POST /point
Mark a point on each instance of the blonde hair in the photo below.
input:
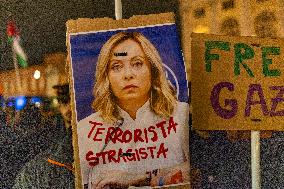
(162, 99)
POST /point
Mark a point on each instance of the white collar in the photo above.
(140, 112)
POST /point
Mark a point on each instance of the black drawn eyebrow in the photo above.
(120, 54)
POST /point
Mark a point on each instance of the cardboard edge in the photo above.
(96, 24)
(253, 40)
(76, 164)
(87, 25)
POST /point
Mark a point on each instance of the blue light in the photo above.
(20, 102)
(35, 99)
(10, 102)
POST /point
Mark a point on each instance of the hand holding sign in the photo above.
(117, 179)
(171, 175)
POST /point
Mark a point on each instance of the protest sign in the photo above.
(237, 83)
(129, 100)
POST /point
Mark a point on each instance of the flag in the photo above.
(14, 40)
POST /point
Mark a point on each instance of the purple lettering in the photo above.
(279, 98)
(255, 88)
(223, 113)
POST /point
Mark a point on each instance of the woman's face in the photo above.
(129, 72)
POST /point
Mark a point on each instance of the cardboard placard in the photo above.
(237, 83)
(115, 64)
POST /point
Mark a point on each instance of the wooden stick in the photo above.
(118, 9)
(255, 160)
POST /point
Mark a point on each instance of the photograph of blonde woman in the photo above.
(137, 134)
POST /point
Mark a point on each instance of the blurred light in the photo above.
(55, 102)
(35, 99)
(37, 74)
(10, 104)
(20, 102)
(37, 104)
(201, 29)
(10, 101)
